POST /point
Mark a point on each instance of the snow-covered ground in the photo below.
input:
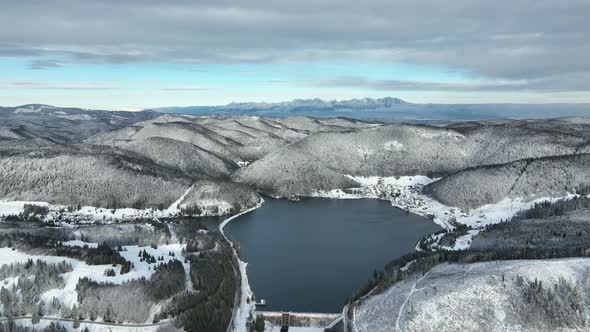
(464, 241)
(131, 254)
(245, 309)
(91, 327)
(462, 297)
(91, 214)
(175, 207)
(8, 283)
(68, 295)
(85, 214)
(297, 329)
(13, 208)
(405, 192)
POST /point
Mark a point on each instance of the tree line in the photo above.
(214, 276)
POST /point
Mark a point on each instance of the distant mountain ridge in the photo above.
(388, 108)
(39, 122)
(317, 102)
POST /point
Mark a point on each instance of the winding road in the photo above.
(412, 291)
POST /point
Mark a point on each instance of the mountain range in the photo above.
(388, 108)
(107, 159)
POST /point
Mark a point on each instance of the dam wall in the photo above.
(303, 319)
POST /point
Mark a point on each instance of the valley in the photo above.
(172, 221)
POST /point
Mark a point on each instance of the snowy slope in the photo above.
(465, 297)
(68, 295)
(321, 161)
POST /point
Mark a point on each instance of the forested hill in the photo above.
(49, 124)
(322, 161)
(546, 177)
(122, 159)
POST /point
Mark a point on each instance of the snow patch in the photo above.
(175, 207)
(464, 241)
(14, 208)
(90, 214)
(68, 295)
(427, 133)
(77, 117)
(393, 146)
(398, 181)
(9, 283)
(26, 110)
(92, 327)
(364, 151)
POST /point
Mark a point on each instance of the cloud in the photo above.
(400, 85)
(185, 88)
(36, 85)
(44, 64)
(530, 40)
(559, 83)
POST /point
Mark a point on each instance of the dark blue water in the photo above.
(311, 255)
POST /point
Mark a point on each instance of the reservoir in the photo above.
(309, 256)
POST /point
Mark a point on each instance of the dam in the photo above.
(278, 321)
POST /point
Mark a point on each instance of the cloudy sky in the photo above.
(135, 54)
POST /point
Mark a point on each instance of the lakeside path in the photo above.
(242, 309)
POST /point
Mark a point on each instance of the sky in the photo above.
(117, 54)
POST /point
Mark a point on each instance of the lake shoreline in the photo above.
(242, 311)
(286, 243)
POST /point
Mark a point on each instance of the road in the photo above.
(412, 291)
(65, 320)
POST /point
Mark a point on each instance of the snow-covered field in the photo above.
(68, 295)
(90, 214)
(8, 208)
(86, 213)
(91, 327)
(461, 297)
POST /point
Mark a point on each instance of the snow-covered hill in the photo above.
(528, 179)
(103, 177)
(48, 124)
(237, 139)
(526, 295)
(321, 161)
